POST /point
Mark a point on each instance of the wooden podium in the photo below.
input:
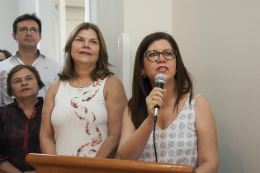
(72, 164)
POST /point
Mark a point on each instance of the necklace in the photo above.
(81, 86)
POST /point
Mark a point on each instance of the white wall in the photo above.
(145, 17)
(74, 16)
(109, 17)
(11, 9)
(219, 42)
(47, 14)
(6, 40)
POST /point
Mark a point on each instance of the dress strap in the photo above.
(197, 96)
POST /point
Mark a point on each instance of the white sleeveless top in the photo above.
(79, 119)
(176, 144)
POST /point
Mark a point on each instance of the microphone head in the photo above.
(160, 78)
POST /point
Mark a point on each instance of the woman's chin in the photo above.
(27, 95)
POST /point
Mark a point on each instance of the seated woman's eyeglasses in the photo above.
(153, 55)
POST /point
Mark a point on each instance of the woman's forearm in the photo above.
(47, 146)
(207, 167)
(132, 148)
(108, 148)
(7, 167)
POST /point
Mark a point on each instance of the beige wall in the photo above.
(219, 42)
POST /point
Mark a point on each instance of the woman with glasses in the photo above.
(185, 132)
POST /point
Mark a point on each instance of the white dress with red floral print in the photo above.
(79, 119)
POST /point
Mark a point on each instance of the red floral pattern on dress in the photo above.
(83, 113)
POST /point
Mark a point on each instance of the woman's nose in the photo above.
(85, 44)
(161, 58)
(24, 82)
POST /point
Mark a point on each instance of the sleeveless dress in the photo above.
(79, 119)
(176, 144)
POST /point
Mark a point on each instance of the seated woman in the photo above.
(82, 112)
(20, 121)
(185, 132)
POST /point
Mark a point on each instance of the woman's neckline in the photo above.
(80, 87)
(177, 115)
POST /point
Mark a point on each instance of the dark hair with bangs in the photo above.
(17, 69)
(142, 87)
(101, 71)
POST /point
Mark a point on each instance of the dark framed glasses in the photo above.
(153, 55)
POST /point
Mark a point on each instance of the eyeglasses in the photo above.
(153, 55)
(25, 30)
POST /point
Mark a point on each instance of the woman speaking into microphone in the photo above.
(185, 131)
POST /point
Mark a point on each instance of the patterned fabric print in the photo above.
(79, 119)
(12, 128)
(177, 144)
(83, 113)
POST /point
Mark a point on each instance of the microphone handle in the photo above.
(160, 84)
(155, 113)
(156, 108)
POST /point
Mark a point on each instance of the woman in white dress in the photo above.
(185, 132)
(82, 113)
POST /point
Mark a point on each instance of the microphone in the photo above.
(160, 79)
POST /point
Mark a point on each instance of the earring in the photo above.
(176, 72)
(143, 75)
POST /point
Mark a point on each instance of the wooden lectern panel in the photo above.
(71, 164)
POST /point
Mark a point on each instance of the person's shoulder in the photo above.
(6, 63)
(201, 106)
(5, 109)
(200, 99)
(53, 88)
(113, 80)
(113, 84)
(6, 66)
(55, 84)
(50, 60)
